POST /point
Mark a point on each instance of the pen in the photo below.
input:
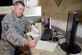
(31, 37)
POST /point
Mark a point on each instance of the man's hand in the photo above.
(30, 43)
(29, 29)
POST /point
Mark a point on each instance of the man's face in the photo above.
(18, 10)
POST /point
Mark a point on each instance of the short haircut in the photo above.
(19, 2)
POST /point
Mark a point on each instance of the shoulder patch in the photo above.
(6, 27)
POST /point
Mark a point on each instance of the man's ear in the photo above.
(12, 8)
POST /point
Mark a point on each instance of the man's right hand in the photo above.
(30, 43)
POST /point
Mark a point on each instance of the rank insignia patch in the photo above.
(6, 27)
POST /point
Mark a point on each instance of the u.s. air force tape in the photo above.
(6, 26)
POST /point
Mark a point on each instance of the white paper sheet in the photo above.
(45, 45)
(34, 32)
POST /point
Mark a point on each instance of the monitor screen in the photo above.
(47, 22)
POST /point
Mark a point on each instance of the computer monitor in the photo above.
(47, 33)
(70, 46)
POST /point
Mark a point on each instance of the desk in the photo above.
(57, 51)
(41, 52)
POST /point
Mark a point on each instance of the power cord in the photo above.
(58, 36)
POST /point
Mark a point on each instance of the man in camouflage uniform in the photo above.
(13, 27)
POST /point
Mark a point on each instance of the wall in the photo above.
(14, 1)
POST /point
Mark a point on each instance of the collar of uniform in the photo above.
(16, 18)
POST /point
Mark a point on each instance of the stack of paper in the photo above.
(45, 45)
(39, 27)
(34, 32)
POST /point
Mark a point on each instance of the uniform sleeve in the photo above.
(11, 34)
(27, 25)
